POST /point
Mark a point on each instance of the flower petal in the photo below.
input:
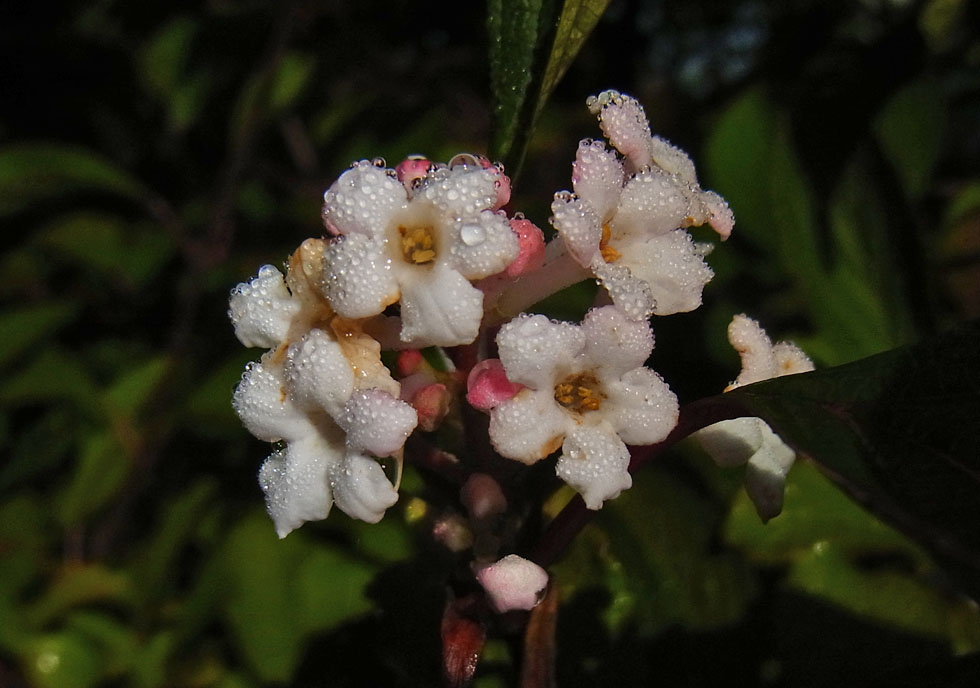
(362, 200)
(528, 427)
(461, 190)
(630, 294)
(652, 203)
(318, 374)
(513, 583)
(597, 177)
(361, 489)
(614, 342)
(732, 442)
(672, 159)
(356, 277)
(295, 484)
(439, 308)
(640, 407)
(377, 423)
(265, 408)
(625, 124)
(482, 245)
(755, 348)
(594, 461)
(536, 351)
(673, 268)
(765, 474)
(261, 310)
(579, 226)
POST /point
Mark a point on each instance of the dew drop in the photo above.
(379, 162)
(463, 160)
(472, 235)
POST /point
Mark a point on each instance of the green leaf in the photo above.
(34, 172)
(163, 59)
(101, 471)
(293, 76)
(29, 326)
(910, 129)
(532, 43)
(78, 585)
(897, 431)
(134, 388)
(53, 375)
(277, 592)
(63, 660)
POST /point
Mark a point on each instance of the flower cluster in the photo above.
(424, 256)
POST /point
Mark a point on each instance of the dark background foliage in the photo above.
(153, 155)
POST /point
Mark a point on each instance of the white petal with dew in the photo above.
(295, 484)
(462, 190)
(673, 268)
(597, 177)
(614, 342)
(361, 489)
(261, 310)
(529, 426)
(264, 406)
(640, 407)
(535, 350)
(482, 245)
(652, 203)
(594, 461)
(630, 294)
(755, 348)
(357, 279)
(625, 124)
(579, 226)
(362, 200)
(377, 423)
(439, 307)
(318, 374)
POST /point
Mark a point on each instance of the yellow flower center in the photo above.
(609, 254)
(579, 393)
(417, 244)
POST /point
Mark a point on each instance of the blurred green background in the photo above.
(153, 155)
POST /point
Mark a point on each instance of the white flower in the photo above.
(628, 216)
(513, 583)
(420, 245)
(750, 440)
(322, 393)
(586, 391)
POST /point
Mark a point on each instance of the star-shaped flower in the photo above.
(586, 390)
(419, 244)
(627, 218)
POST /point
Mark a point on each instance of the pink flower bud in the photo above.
(408, 362)
(482, 496)
(531, 241)
(503, 181)
(411, 168)
(487, 385)
(432, 404)
(513, 583)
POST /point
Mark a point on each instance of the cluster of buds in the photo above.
(424, 261)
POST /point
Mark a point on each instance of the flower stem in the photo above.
(560, 270)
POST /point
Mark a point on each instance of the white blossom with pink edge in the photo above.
(751, 441)
(626, 220)
(586, 390)
(419, 243)
(304, 395)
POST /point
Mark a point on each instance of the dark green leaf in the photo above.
(26, 327)
(64, 659)
(532, 43)
(53, 375)
(32, 172)
(101, 470)
(76, 585)
(898, 432)
(910, 130)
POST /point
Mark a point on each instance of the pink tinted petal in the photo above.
(721, 219)
(411, 168)
(530, 241)
(487, 385)
(503, 181)
(625, 124)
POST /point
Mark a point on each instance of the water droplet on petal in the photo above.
(472, 235)
(379, 162)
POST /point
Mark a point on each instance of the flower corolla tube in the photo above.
(627, 216)
(751, 441)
